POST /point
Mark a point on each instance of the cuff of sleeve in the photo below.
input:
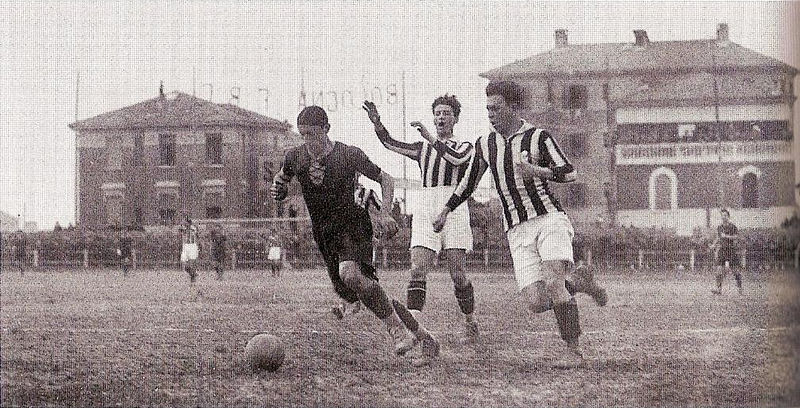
(454, 202)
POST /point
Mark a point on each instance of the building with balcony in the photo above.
(154, 162)
(663, 133)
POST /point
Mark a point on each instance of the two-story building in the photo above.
(663, 133)
(176, 155)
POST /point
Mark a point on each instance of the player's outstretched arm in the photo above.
(410, 150)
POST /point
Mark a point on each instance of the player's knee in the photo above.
(418, 273)
(536, 297)
(350, 274)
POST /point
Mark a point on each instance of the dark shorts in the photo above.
(728, 255)
(343, 246)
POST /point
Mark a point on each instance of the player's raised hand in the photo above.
(372, 112)
(423, 131)
(438, 223)
(278, 190)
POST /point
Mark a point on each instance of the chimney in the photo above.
(722, 32)
(641, 38)
(561, 38)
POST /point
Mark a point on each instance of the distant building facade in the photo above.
(664, 133)
(157, 161)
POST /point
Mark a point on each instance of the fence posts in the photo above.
(486, 256)
(691, 259)
(35, 258)
(641, 258)
(589, 256)
(85, 258)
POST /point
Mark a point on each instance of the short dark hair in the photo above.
(312, 116)
(510, 91)
(449, 100)
(725, 211)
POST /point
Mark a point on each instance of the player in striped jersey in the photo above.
(522, 159)
(442, 162)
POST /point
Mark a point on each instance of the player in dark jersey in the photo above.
(218, 240)
(727, 258)
(343, 231)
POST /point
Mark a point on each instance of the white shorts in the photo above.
(456, 234)
(544, 238)
(189, 252)
(274, 254)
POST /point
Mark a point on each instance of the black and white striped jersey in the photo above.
(440, 163)
(522, 200)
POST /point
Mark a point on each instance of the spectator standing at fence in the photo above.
(273, 251)
(124, 245)
(522, 160)
(726, 249)
(218, 249)
(442, 160)
(190, 251)
(343, 230)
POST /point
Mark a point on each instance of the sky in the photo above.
(67, 60)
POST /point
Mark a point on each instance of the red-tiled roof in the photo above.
(622, 57)
(177, 109)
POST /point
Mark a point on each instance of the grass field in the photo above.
(92, 338)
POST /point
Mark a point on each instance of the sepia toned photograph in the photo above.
(399, 204)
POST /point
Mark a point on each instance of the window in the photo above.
(214, 212)
(576, 98)
(214, 148)
(663, 189)
(113, 153)
(114, 206)
(749, 176)
(166, 216)
(138, 149)
(167, 202)
(166, 147)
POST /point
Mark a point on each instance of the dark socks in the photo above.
(375, 299)
(466, 298)
(415, 295)
(567, 319)
(405, 316)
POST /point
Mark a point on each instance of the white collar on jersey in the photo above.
(522, 129)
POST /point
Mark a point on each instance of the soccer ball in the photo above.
(264, 352)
